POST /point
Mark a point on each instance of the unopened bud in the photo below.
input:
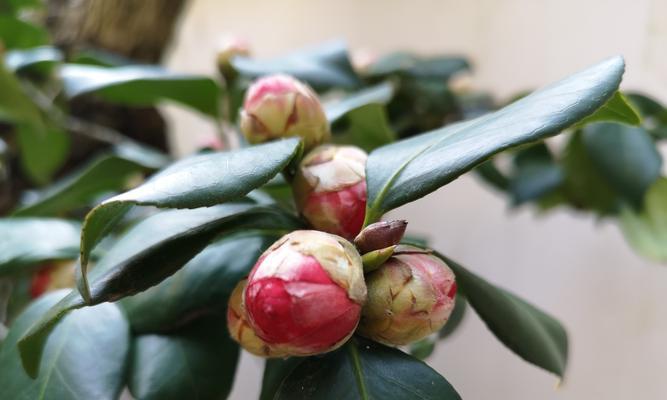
(305, 293)
(380, 235)
(239, 328)
(330, 189)
(52, 276)
(279, 106)
(409, 297)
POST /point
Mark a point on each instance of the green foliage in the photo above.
(646, 230)
(409, 169)
(68, 371)
(27, 242)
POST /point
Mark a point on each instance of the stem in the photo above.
(356, 368)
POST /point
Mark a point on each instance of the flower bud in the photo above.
(305, 293)
(409, 297)
(52, 276)
(239, 328)
(330, 189)
(279, 106)
(380, 235)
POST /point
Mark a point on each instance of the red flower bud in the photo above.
(330, 189)
(409, 297)
(305, 293)
(52, 276)
(239, 328)
(279, 106)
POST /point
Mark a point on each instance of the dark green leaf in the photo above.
(616, 109)
(423, 348)
(365, 370)
(646, 231)
(15, 106)
(625, 157)
(141, 85)
(584, 186)
(275, 372)
(195, 362)
(29, 241)
(323, 67)
(202, 285)
(106, 174)
(378, 94)
(40, 58)
(367, 127)
(18, 34)
(43, 151)
(530, 333)
(199, 181)
(654, 114)
(436, 68)
(536, 174)
(490, 173)
(84, 358)
(404, 171)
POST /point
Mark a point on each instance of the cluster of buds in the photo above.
(307, 294)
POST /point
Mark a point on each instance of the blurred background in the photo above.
(612, 301)
(571, 264)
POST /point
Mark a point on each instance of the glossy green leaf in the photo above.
(197, 361)
(18, 34)
(530, 333)
(404, 171)
(275, 372)
(625, 156)
(199, 181)
(441, 67)
(201, 286)
(646, 230)
(28, 241)
(141, 85)
(585, 187)
(535, 174)
(107, 173)
(365, 370)
(616, 109)
(43, 151)
(84, 358)
(378, 94)
(40, 58)
(323, 67)
(15, 106)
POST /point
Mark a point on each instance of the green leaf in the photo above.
(423, 349)
(530, 333)
(199, 181)
(85, 357)
(365, 370)
(616, 109)
(584, 186)
(141, 85)
(378, 94)
(490, 174)
(404, 171)
(106, 174)
(160, 245)
(202, 285)
(42, 151)
(40, 58)
(535, 174)
(275, 372)
(654, 114)
(625, 156)
(323, 67)
(646, 231)
(28, 241)
(18, 34)
(197, 361)
(15, 106)
(435, 68)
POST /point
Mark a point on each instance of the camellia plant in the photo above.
(137, 272)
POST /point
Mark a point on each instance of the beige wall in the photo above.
(613, 303)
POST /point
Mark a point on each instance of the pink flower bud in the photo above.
(409, 297)
(305, 293)
(229, 47)
(330, 189)
(279, 106)
(239, 328)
